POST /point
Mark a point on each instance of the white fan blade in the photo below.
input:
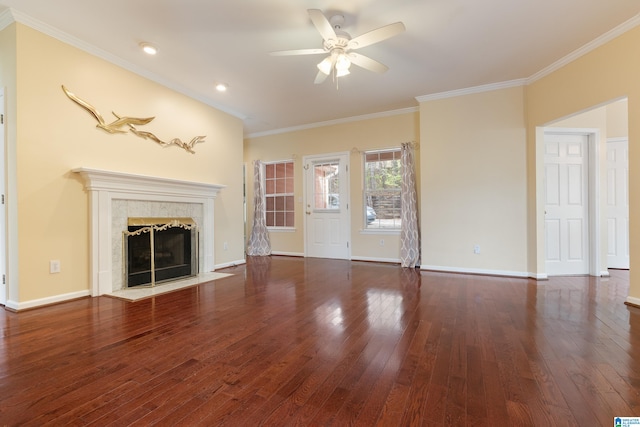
(367, 63)
(320, 77)
(377, 35)
(322, 24)
(298, 52)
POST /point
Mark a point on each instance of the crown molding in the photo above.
(472, 90)
(335, 122)
(6, 18)
(592, 45)
(11, 15)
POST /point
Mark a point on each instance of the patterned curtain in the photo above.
(409, 231)
(259, 243)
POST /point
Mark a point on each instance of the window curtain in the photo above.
(259, 243)
(409, 231)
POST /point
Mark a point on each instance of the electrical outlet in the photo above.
(381, 242)
(476, 249)
(54, 266)
(226, 246)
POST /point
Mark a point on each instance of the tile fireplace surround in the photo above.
(115, 196)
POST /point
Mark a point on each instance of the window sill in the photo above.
(281, 229)
(380, 231)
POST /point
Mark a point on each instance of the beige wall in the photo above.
(606, 74)
(353, 137)
(474, 183)
(618, 119)
(55, 135)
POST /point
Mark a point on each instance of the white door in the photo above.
(566, 204)
(3, 231)
(327, 224)
(617, 203)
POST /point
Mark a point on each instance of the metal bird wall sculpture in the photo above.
(130, 123)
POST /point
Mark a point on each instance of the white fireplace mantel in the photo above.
(106, 186)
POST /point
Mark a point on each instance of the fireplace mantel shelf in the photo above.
(106, 186)
(97, 179)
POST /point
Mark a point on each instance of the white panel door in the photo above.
(617, 204)
(566, 204)
(3, 231)
(327, 225)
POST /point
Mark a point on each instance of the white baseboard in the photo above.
(17, 306)
(373, 259)
(298, 254)
(522, 274)
(229, 264)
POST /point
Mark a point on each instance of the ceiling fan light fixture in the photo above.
(342, 64)
(325, 65)
(343, 72)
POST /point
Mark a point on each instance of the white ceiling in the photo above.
(448, 45)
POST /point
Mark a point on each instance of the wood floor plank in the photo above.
(304, 341)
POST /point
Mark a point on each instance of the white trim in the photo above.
(17, 306)
(230, 264)
(538, 276)
(374, 259)
(282, 253)
(106, 186)
(335, 122)
(472, 90)
(604, 273)
(633, 300)
(518, 274)
(6, 18)
(275, 229)
(385, 231)
(592, 45)
(618, 139)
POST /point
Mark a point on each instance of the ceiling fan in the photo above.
(339, 46)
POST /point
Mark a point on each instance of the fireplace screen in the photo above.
(160, 249)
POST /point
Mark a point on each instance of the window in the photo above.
(382, 186)
(279, 199)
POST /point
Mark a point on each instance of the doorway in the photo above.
(327, 219)
(618, 203)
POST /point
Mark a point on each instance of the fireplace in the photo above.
(157, 250)
(117, 196)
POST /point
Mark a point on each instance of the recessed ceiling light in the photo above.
(222, 87)
(148, 48)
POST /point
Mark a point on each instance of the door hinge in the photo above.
(2, 199)
(1, 119)
(4, 279)
(347, 244)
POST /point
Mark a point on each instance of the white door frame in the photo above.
(3, 214)
(308, 160)
(594, 211)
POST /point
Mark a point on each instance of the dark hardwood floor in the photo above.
(310, 342)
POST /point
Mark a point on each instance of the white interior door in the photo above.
(566, 204)
(327, 223)
(3, 231)
(617, 203)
